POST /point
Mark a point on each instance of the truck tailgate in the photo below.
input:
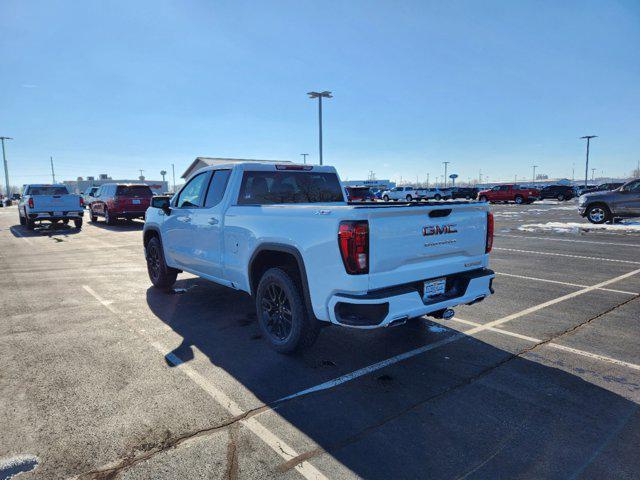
(56, 203)
(416, 243)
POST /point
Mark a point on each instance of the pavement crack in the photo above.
(289, 464)
(231, 472)
(149, 450)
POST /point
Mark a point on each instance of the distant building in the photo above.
(80, 185)
(374, 184)
(201, 162)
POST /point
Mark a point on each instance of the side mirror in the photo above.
(163, 202)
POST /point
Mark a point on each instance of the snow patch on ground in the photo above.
(574, 227)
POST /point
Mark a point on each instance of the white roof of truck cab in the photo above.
(267, 166)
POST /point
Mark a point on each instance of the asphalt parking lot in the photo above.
(105, 377)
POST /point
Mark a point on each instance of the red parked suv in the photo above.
(116, 200)
(509, 193)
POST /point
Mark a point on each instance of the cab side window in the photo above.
(191, 195)
(217, 187)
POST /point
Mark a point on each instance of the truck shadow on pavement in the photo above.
(465, 409)
(120, 226)
(44, 230)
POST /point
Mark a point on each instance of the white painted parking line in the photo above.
(554, 239)
(557, 346)
(546, 280)
(455, 337)
(600, 259)
(276, 444)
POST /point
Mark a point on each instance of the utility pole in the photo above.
(427, 180)
(593, 171)
(53, 173)
(319, 96)
(586, 168)
(480, 177)
(446, 164)
(304, 157)
(6, 168)
(534, 173)
(173, 168)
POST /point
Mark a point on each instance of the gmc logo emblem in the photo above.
(438, 230)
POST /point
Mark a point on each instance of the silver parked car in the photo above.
(601, 207)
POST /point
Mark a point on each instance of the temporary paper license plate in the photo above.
(136, 202)
(434, 288)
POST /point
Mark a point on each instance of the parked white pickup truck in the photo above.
(284, 234)
(52, 203)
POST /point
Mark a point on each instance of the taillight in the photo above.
(489, 232)
(31, 203)
(353, 239)
(81, 202)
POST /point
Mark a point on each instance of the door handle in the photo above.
(213, 221)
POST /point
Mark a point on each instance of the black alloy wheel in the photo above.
(276, 312)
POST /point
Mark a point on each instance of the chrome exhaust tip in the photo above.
(445, 314)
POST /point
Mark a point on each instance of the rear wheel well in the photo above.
(267, 259)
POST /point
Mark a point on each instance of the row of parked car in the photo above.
(54, 203)
(499, 193)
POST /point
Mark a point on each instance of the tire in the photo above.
(482, 198)
(77, 222)
(22, 220)
(437, 196)
(408, 198)
(277, 294)
(65, 221)
(598, 214)
(161, 275)
(385, 198)
(560, 197)
(519, 200)
(108, 219)
(92, 216)
(30, 224)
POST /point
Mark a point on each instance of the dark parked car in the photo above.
(607, 187)
(359, 194)
(113, 201)
(601, 207)
(559, 192)
(469, 193)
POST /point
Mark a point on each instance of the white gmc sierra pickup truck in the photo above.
(284, 234)
(53, 203)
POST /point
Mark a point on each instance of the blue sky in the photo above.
(117, 86)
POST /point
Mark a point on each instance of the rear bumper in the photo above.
(55, 216)
(381, 308)
(128, 214)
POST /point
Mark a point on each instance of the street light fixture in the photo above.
(304, 157)
(586, 168)
(320, 96)
(6, 168)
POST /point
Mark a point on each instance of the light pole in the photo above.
(319, 96)
(427, 180)
(593, 171)
(53, 173)
(445, 173)
(534, 173)
(304, 157)
(6, 168)
(173, 169)
(586, 168)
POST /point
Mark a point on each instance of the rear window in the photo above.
(134, 191)
(358, 191)
(264, 188)
(47, 191)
